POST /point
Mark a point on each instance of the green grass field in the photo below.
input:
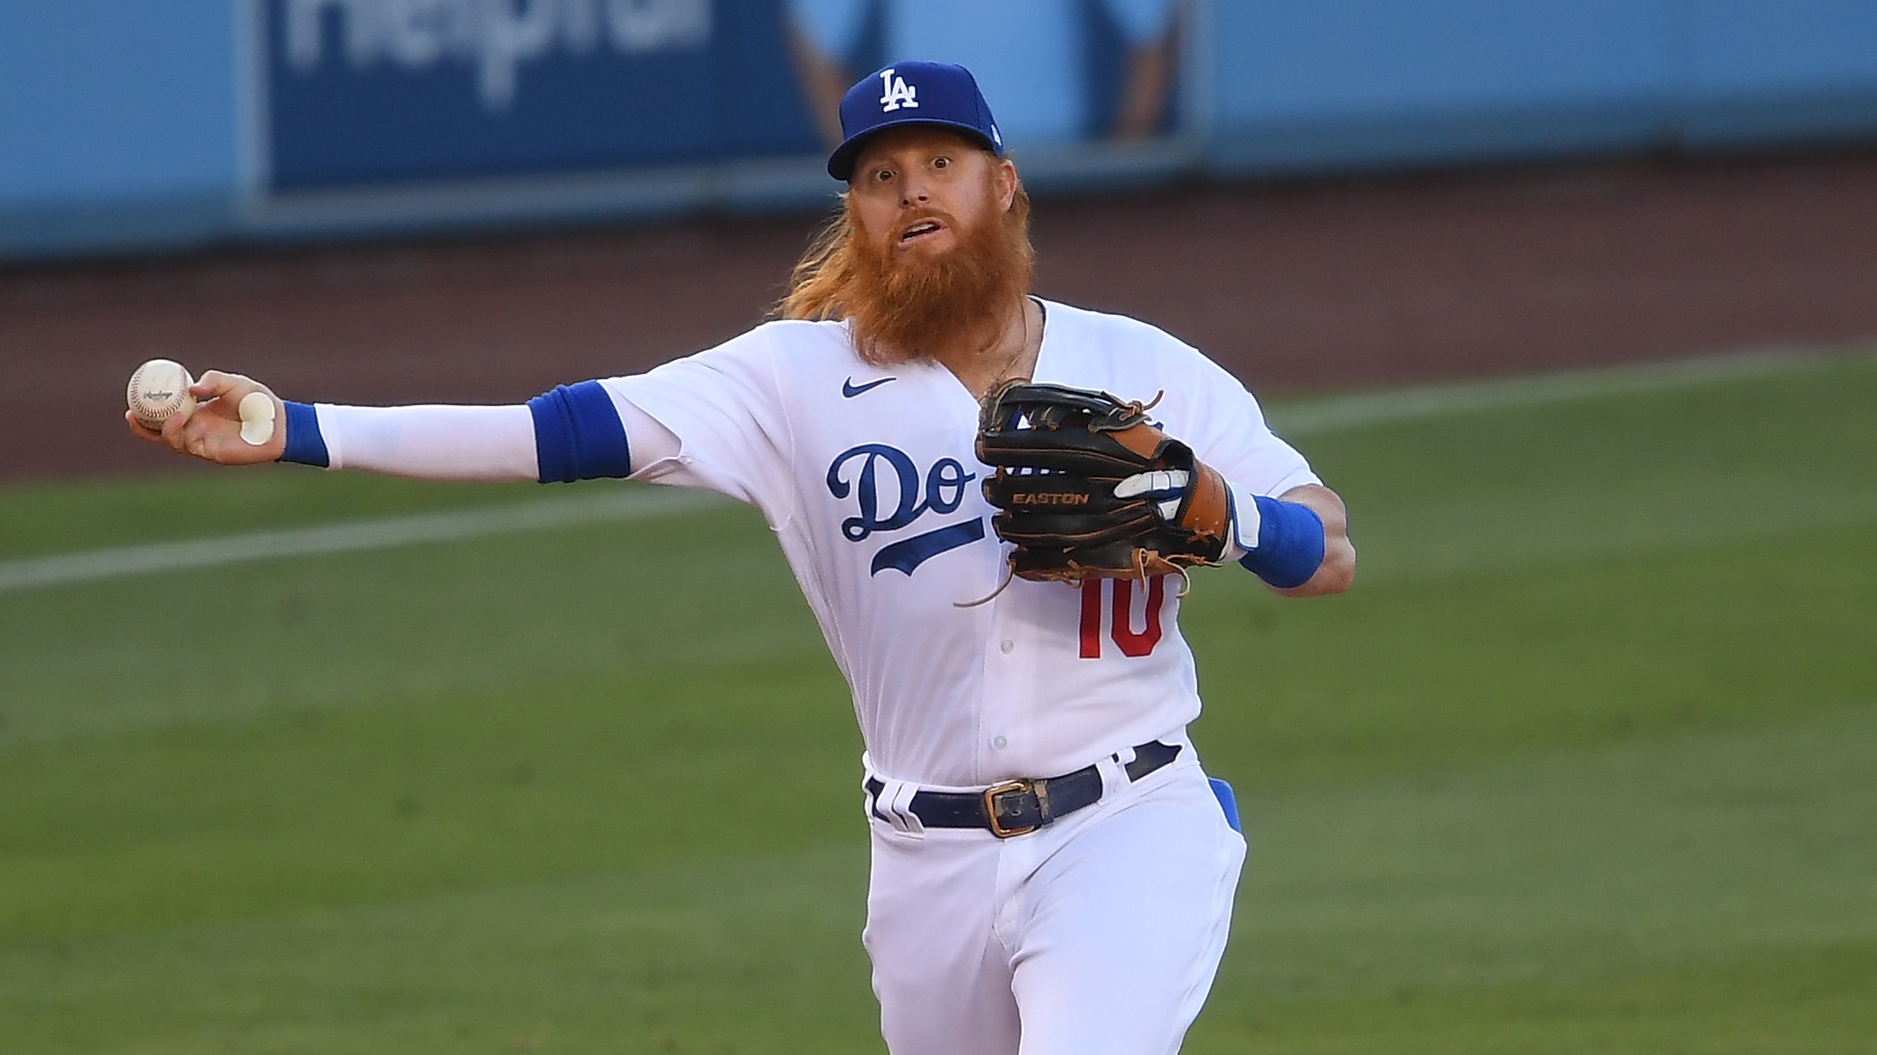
(1586, 763)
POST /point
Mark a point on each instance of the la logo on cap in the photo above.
(898, 92)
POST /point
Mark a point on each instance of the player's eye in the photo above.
(882, 175)
(941, 162)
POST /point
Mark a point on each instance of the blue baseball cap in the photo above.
(940, 94)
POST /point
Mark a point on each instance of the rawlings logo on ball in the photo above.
(159, 391)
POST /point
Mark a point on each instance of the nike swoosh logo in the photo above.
(850, 389)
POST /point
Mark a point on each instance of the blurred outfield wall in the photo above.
(135, 126)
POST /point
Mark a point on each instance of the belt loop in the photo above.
(1113, 770)
(866, 791)
(894, 802)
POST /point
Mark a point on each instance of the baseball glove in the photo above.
(1086, 488)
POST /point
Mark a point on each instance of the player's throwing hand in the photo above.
(236, 421)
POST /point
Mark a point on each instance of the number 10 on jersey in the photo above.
(1119, 613)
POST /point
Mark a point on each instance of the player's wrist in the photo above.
(1280, 542)
(304, 442)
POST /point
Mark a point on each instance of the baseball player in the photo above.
(1052, 870)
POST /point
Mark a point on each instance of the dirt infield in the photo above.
(1292, 287)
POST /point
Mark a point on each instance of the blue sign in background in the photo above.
(190, 121)
(375, 101)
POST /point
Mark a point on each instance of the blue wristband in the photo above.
(304, 442)
(1290, 543)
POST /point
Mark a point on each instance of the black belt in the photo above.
(1018, 806)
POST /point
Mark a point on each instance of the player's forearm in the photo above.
(1337, 569)
(424, 442)
(570, 433)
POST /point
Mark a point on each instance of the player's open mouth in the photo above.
(919, 230)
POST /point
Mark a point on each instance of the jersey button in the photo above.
(1007, 646)
(1000, 743)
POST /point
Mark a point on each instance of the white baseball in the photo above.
(257, 418)
(158, 391)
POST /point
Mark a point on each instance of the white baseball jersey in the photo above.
(868, 477)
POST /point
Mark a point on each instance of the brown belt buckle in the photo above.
(990, 807)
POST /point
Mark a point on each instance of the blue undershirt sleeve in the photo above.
(1290, 543)
(578, 435)
(305, 444)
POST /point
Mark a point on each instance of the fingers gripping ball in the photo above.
(159, 391)
(1065, 487)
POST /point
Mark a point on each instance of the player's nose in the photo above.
(914, 191)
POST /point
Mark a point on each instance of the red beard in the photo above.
(901, 307)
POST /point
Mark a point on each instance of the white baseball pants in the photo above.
(1098, 934)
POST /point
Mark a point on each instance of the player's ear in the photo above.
(1004, 182)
